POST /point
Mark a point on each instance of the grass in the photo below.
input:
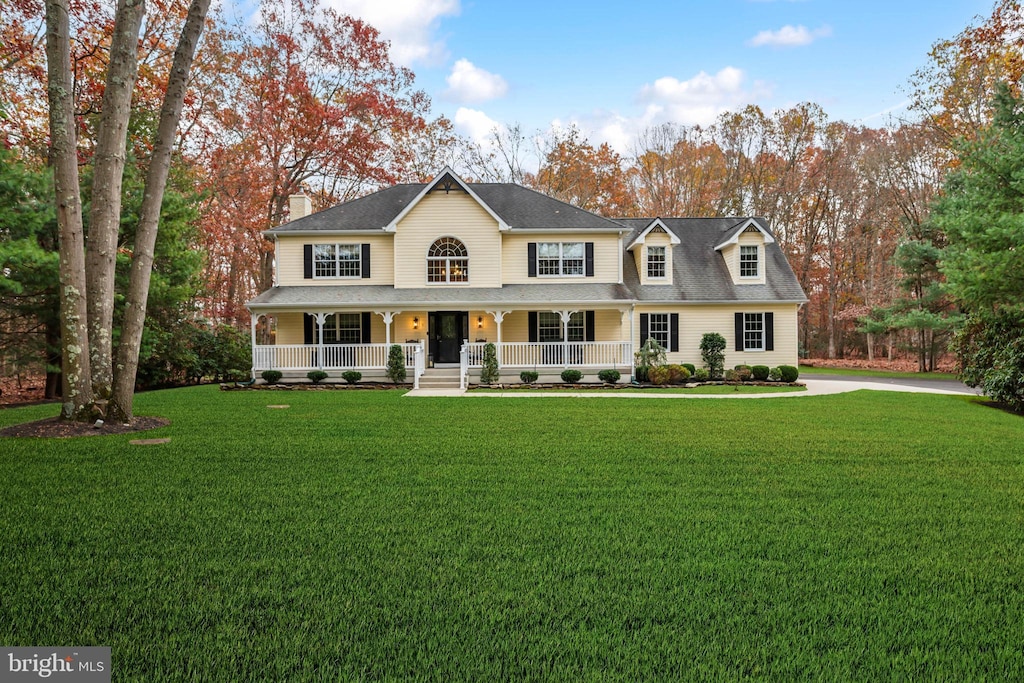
(860, 372)
(706, 389)
(363, 535)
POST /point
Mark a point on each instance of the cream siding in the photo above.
(447, 215)
(290, 260)
(515, 262)
(289, 328)
(695, 321)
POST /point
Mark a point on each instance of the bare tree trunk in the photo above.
(53, 374)
(77, 389)
(105, 216)
(127, 365)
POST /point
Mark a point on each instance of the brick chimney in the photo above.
(299, 206)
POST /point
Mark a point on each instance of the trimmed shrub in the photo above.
(659, 374)
(528, 376)
(732, 376)
(316, 376)
(677, 374)
(701, 375)
(396, 364)
(691, 367)
(774, 375)
(760, 372)
(789, 373)
(489, 372)
(712, 352)
(743, 373)
(351, 376)
(271, 376)
(571, 376)
(643, 373)
(609, 376)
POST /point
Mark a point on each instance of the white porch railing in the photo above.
(554, 354)
(334, 357)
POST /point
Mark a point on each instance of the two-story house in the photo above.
(444, 267)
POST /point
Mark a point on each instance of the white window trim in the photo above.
(561, 261)
(664, 263)
(752, 349)
(337, 262)
(447, 282)
(757, 262)
(667, 331)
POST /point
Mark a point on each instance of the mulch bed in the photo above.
(56, 428)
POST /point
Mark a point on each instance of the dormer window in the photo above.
(447, 261)
(655, 262)
(749, 261)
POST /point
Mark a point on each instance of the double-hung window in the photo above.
(336, 260)
(549, 327)
(560, 258)
(658, 329)
(343, 328)
(656, 262)
(753, 331)
(748, 261)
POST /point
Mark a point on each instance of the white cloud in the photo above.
(476, 125)
(699, 100)
(789, 36)
(410, 25)
(470, 84)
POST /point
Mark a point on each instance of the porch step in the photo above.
(440, 378)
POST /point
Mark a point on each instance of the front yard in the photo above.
(363, 535)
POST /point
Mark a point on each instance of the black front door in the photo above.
(448, 329)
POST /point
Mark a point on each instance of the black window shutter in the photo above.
(364, 266)
(739, 331)
(590, 259)
(531, 260)
(645, 327)
(769, 331)
(673, 332)
(532, 321)
(307, 262)
(365, 327)
(590, 327)
(308, 329)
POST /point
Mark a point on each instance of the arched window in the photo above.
(447, 261)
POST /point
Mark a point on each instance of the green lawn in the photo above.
(859, 372)
(363, 535)
(706, 389)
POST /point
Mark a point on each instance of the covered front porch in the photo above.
(544, 340)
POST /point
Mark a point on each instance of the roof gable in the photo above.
(656, 224)
(749, 223)
(446, 181)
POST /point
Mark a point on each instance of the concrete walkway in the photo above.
(815, 387)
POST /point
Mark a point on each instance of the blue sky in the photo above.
(614, 68)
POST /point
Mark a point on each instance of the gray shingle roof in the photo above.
(518, 206)
(386, 295)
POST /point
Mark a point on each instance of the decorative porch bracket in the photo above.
(565, 316)
(499, 317)
(388, 317)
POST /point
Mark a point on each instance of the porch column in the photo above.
(626, 318)
(499, 317)
(565, 315)
(252, 325)
(321, 320)
(388, 317)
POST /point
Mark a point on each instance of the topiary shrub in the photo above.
(789, 373)
(691, 367)
(701, 375)
(271, 376)
(571, 376)
(609, 376)
(351, 376)
(712, 352)
(489, 372)
(760, 372)
(316, 376)
(659, 374)
(528, 376)
(774, 375)
(396, 364)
